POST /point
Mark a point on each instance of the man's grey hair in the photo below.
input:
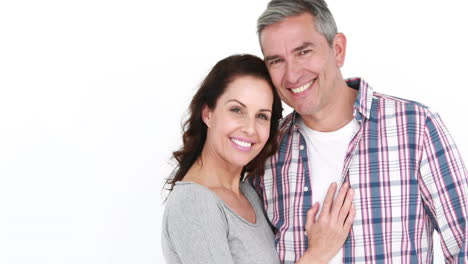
(277, 10)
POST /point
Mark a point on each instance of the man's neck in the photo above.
(335, 114)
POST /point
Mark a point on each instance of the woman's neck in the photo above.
(214, 172)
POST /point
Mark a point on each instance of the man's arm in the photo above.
(444, 186)
(256, 182)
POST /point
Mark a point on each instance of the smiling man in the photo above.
(408, 176)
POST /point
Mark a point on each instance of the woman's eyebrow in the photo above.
(243, 105)
(237, 101)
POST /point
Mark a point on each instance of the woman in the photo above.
(212, 216)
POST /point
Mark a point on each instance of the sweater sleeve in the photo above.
(197, 228)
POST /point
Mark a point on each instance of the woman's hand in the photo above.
(327, 234)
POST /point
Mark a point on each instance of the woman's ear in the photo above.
(206, 115)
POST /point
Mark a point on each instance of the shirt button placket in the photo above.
(301, 147)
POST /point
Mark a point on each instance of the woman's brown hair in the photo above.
(214, 85)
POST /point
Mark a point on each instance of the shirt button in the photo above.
(306, 188)
(301, 147)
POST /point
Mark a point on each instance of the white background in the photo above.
(92, 94)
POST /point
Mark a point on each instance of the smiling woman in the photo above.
(231, 131)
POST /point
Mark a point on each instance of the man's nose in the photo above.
(292, 72)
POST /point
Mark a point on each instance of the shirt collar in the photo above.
(363, 103)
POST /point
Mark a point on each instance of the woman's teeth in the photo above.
(241, 143)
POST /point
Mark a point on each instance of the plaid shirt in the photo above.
(408, 177)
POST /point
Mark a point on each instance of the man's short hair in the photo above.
(277, 10)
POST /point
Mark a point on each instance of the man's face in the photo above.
(303, 67)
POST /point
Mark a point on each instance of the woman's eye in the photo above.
(263, 116)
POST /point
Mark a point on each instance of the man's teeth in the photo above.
(241, 143)
(301, 88)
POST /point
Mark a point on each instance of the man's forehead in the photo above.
(289, 44)
(291, 32)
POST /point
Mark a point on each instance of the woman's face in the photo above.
(239, 126)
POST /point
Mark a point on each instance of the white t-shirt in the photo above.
(326, 153)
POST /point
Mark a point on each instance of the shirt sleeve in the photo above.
(256, 183)
(198, 230)
(444, 189)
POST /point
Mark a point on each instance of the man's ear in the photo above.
(339, 47)
(206, 115)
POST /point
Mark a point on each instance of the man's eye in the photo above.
(303, 52)
(275, 61)
(235, 110)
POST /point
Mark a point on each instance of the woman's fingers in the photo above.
(327, 234)
(327, 203)
(311, 216)
(338, 203)
(350, 218)
(345, 209)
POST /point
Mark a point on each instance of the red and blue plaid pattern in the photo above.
(408, 176)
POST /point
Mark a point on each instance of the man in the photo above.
(397, 155)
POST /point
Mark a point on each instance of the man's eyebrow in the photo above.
(269, 58)
(301, 47)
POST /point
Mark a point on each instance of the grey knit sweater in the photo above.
(198, 227)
